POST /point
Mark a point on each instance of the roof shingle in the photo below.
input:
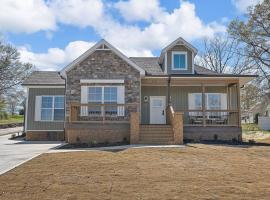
(44, 78)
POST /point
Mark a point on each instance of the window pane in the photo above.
(198, 101)
(176, 61)
(59, 102)
(95, 94)
(47, 102)
(46, 114)
(214, 101)
(182, 61)
(58, 114)
(110, 94)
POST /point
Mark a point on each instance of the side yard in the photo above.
(197, 171)
(253, 132)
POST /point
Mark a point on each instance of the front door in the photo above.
(157, 110)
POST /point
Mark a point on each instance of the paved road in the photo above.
(16, 152)
(6, 131)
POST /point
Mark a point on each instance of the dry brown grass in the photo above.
(195, 172)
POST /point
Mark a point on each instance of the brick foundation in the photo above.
(209, 133)
(98, 133)
(45, 135)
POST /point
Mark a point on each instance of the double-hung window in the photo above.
(52, 108)
(102, 95)
(179, 60)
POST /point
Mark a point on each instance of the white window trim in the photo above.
(177, 53)
(102, 81)
(52, 108)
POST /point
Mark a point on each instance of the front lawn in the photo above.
(12, 119)
(197, 171)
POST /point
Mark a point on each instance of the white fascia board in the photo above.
(102, 81)
(45, 86)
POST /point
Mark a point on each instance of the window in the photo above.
(195, 101)
(52, 108)
(179, 60)
(213, 101)
(102, 95)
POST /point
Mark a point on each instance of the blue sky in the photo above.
(51, 33)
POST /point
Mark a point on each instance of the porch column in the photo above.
(238, 103)
(169, 91)
(134, 127)
(203, 105)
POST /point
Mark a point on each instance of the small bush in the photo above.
(251, 142)
(215, 137)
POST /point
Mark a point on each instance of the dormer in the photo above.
(178, 57)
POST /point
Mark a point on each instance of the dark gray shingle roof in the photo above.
(44, 78)
(151, 66)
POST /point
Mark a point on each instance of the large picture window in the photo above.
(52, 108)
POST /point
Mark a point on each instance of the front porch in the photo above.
(197, 110)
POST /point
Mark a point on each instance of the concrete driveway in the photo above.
(16, 152)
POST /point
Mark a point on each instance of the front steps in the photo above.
(156, 134)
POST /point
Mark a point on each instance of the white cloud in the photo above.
(242, 5)
(183, 21)
(81, 13)
(54, 58)
(25, 16)
(163, 26)
(136, 10)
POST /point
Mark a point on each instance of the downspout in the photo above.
(65, 105)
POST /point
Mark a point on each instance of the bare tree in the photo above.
(221, 54)
(15, 98)
(254, 36)
(12, 71)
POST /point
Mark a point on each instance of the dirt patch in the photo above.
(196, 172)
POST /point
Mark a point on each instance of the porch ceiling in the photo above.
(163, 81)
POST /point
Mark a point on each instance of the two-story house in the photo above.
(104, 96)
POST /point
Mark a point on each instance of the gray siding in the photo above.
(38, 125)
(179, 97)
(189, 60)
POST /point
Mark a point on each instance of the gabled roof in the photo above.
(102, 44)
(178, 41)
(44, 78)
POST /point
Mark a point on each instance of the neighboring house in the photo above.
(104, 96)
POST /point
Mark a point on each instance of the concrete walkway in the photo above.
(6, 131)
(16, 152)
(115, 148)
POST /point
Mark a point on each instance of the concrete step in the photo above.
(154, 142)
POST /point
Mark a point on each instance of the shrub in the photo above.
(215, 137)
(256, 118)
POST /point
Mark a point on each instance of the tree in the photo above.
(254, 37)
(12, 71)
(221, 54)
(250, 96)
(15, 98)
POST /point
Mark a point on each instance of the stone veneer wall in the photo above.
(103, 64)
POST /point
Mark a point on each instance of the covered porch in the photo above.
(203, 102)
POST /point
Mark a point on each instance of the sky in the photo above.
(52, 33)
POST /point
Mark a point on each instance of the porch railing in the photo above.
(92, 112)
(211, 118)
